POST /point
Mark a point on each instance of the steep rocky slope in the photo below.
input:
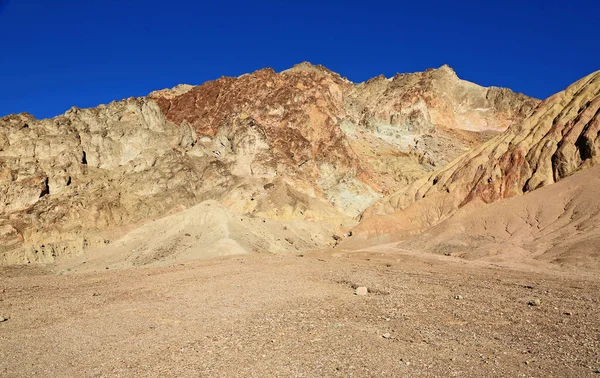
(431, 116)
(301, 145)
(559, 138)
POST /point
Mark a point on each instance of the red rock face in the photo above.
(505, 179)
(298, 112)
(200, 108)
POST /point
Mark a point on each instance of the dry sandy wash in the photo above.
(285, 315)
(298, 224)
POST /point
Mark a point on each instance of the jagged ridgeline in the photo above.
(302, 145)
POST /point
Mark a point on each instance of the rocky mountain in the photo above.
(433, 116)
(302, 145)
(559, 138)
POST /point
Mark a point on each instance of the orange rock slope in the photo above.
(558, 139)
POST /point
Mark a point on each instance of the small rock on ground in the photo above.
(535, 302)
(362, 290)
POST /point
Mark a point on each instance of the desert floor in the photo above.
(265, 315)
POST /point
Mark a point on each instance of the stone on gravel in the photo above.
(386, 335)
(362, 290)
(3, 319)
(458, 297)
(534, 302)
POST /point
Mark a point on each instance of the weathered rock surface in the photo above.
(559, 138)
(303, 144)
(413, 123)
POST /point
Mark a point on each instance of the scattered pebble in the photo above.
(386, 335)
(458, 297)
(361, 290)
(3, 319)
(534, 302)
(568, 313)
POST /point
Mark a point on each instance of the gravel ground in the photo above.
(283, 315)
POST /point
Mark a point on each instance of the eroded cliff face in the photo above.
(432, 116)
(437, 97)
(559, 138)
(66, 179)
(385, 132)
(279, 125)
(303, 144)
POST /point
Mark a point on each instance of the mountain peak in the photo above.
(310, 67)
(444, 70)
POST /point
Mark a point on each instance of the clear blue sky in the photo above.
(56, 54)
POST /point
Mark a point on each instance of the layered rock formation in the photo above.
(303, 144)
(559, 138)
(433, 116)
(436, 97)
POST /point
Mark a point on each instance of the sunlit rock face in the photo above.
(303, 144)
(559, 138)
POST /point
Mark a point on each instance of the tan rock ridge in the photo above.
(559, 138)
(169, 93)
(437, 97)
(304, 144)
(432, 116)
